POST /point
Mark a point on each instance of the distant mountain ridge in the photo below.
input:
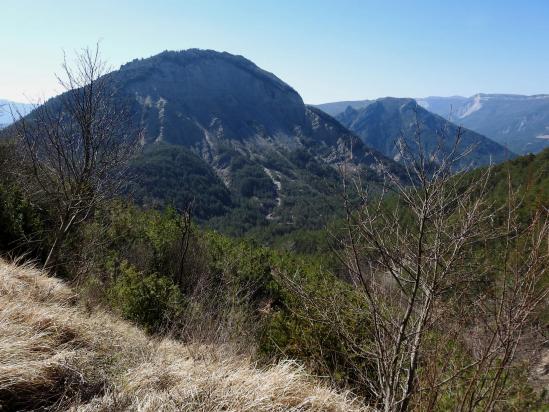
(335, 108)
(517, 121)
(8, 109)
(442, 106)
(385, 120)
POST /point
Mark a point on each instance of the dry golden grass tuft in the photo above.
(55, 356)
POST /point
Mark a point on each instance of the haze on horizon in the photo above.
(327, 51)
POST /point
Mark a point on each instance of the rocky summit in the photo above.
(382, 122)
(218, 112)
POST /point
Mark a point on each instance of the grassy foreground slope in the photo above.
(56, 355)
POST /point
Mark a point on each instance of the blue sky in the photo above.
(327, 50)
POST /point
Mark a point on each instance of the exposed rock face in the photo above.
(384, 121)
(208, 101)
(188, 96)
(516, 121)
(211, 111)
(252, 129)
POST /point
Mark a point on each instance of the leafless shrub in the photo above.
(75, 148)
(448, 292)
(418, 267)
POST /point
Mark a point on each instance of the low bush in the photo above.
(150, 300)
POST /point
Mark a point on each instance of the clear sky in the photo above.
(326, 49)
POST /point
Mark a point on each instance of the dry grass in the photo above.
(54, 355)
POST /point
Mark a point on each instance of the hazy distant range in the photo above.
(518, 122)
(8, 109)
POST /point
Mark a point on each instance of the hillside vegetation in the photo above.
(55, 355)
(428, 290)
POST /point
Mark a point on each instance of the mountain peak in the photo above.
(402, 103)
(194, 96)
(519, 122)
(206, 111)
(197, 57)
(387, 119)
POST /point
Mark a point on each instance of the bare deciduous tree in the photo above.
(449, 283)
(419, 268)
(75, 148)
